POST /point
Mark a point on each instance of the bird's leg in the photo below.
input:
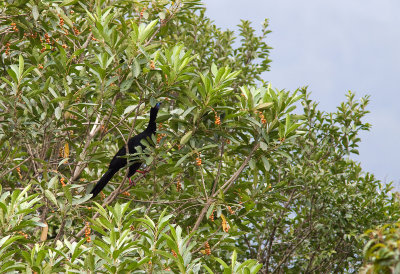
(131, 182)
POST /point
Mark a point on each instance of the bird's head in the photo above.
(154, 111)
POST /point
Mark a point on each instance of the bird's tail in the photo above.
(102, 182)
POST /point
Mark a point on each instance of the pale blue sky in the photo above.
(334, 46)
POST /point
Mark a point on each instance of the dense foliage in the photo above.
(382, 253)
(237, 182)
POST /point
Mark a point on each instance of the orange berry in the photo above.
(19, 172)
(152, 65)
(87, 232)
(263, 120)
(217, 120)
(141, 13)
(198, 161)
(208, 249)
(76, 31)
(212, 216)
(61, 22)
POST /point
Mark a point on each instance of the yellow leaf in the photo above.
(66, 150)
(225, 225)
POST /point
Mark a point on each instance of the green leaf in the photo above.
(57, 113)
(210, 210)
(263, 106)
(145, 33)
(208, 269)
(266, 163)
(263, 146)
(51, 197)
(221, 262)
(161, 15)
(186, 137)
(135, 68)
(35, 12)
(21, 66)
(68, 3)
(81, 200)
(233, 259)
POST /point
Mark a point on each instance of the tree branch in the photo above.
(233, 178)
(17, 166)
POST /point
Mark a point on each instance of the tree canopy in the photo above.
(238, 182)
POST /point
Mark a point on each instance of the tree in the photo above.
(381, 252)
(235, 175)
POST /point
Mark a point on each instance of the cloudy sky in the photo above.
(334, 46)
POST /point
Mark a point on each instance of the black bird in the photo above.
(119, 162)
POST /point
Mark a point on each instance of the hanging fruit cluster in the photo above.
(261, 115)
(198, 159)
(178, 185)
(19, 172)
(87, 232)
(208, 249)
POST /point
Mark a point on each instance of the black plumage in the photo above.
(119, 161)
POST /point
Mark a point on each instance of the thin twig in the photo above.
(233, 178)
(17, 166)
(272, 234)
(224, 187)
(219, 169)
(291, 251)
(202, 181)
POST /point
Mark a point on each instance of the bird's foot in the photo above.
(131, 182)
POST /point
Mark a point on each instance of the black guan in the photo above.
(119, 161)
